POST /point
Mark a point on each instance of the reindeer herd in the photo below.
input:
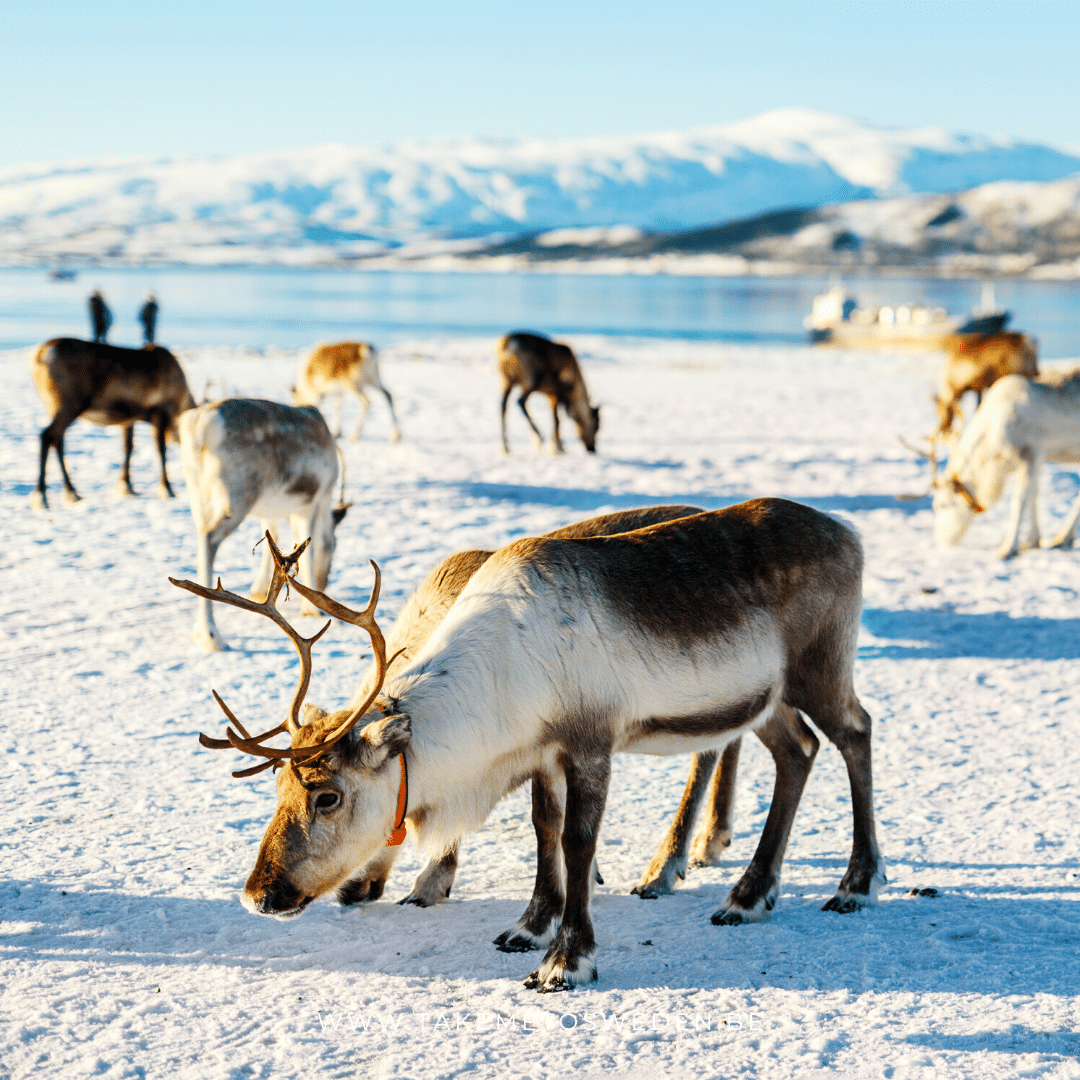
(665, 630)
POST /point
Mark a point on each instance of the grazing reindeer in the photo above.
(107, 385)
(557, 653)
(423, 612)
(333, 369)
(535, 363)
(976, 362)
(244, 456)
(1020, 424)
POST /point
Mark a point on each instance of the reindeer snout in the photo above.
(280, 899)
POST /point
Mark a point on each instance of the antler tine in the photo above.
(282, 565)
(366, 620)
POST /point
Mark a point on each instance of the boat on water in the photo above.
(836, 319)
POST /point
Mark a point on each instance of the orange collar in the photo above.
(397, 834)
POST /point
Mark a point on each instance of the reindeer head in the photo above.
(341, 792)
(587, 419)
(955, 505)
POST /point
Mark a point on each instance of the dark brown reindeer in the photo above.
(417, 621)
(107, 385)
(534, 363)
(558, 653)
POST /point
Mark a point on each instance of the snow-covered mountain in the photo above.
(336, 203)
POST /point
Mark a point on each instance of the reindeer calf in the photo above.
(334, 369)
(111, 386)
(249, 457)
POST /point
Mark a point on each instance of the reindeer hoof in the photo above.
(560, 972)
(417, 900)
(842, 905)
(71, 496)
(38, 501)
(361, 892)
(210, 643)
(511, 942)
(731, 917)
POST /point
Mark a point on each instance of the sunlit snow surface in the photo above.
(124, 950)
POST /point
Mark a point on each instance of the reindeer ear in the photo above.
(310, 713)
(384, 738)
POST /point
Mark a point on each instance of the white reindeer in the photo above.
(351, 366)
(558, 653)
(1020, 424)
(246, 457)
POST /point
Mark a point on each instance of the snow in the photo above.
(124, 950)
(341, 202)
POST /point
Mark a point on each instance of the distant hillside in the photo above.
(1028, 229)
(339, 204)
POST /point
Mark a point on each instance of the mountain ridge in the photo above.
(338, 203)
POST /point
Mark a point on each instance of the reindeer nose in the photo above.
(279, 898)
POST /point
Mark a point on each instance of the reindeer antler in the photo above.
(931, 456)
(240, 739)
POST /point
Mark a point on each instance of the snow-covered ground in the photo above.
(124, 950)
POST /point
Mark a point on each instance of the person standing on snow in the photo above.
(148, 318)
(100, 316)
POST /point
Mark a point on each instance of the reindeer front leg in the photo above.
(261, 584)
(1025, 498)
(571, 957)
(556, 443)
(537, 927)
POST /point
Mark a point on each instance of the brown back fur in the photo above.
(976, 362)
(108, 384)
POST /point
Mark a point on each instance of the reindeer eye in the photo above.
(327, 800)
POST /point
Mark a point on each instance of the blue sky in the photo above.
(117, 77)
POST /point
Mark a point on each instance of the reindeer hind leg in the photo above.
(669, 862)
(434, 882)
(793, 747)
(123, 485)
(714, 836)
(161, 429)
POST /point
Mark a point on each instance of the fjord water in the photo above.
(259, 308)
